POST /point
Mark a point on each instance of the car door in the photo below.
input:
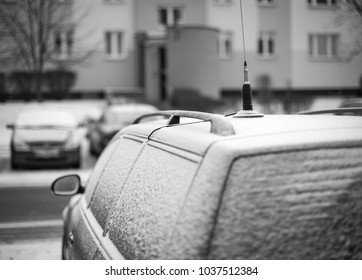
(141, 222)
(101, 193)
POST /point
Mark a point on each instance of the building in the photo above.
(157, 47)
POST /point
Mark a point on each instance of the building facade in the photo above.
(156, 47)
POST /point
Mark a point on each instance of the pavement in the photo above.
(49, 249)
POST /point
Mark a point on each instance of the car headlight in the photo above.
(72, 142)
(20, 144)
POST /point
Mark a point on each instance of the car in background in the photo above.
(45, 138)
(350, 103)
(113, 119)
(243, 186)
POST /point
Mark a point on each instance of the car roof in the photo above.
(282, 129)
(54, 118)
(131, 108)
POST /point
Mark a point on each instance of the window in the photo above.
(115, 45)
(171, 15)
(223, 2)
(63, 43)
(322, 3)
(266, 2)
(266, 44)
(113, 177)
(225, 46)
(323, 45)
(299, 200)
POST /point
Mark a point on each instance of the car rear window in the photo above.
(292, 205)
(146, 212)
(113, 177)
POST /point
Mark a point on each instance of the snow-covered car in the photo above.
(245, 186)
(45, 138)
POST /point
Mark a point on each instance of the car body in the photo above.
(237, 187)
(45, 138)
(113, 119)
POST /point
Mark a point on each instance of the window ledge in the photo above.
(323, 59)
(122, 2)
(225, 57)
(267, 57)
(267, 5)
(323, 7)
(115, 58)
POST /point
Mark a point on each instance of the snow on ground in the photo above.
(32, 250)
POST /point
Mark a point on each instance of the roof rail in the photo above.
(337, 111)
(219, 124)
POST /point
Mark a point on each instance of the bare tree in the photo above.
(36, 33)
(351, 14)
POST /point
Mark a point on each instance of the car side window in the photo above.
(97, 170)
(145, 214)
(111, 181)
(299, 205)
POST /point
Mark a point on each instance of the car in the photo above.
(45, 138)
(114, 118)
(208, 186)
(352, 102)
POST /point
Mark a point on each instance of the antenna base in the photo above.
(248, 114)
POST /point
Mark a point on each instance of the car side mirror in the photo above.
(67, 185)
(10, 126)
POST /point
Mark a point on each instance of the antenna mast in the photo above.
(247, 111)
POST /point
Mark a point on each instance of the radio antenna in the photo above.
(247, 111)
(242, 29)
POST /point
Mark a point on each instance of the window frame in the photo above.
(223, 37)
(67, 49)
(266, 37)
(313, 4)
(115, 45)
(170, 14)
(314, 51)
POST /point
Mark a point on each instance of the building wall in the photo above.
(316, 74)
(275, 19)
(146, 16)
(99, 72)
(227, 18)
(193, 61)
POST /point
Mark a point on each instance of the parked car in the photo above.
(46, 138)
(352, 102)
(235, 187)
(114, 118)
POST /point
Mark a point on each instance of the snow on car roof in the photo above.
(46, 118)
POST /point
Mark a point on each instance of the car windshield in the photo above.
(45, 120)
